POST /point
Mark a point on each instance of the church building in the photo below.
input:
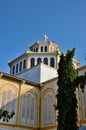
(30, 88)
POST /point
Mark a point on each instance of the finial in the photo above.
(45, 37)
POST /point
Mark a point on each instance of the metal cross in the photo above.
(45, 37)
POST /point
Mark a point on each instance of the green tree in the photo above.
(5, 115)
(68, 80)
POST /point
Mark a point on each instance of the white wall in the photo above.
(47, 73)
(39, 73)
(32, 74)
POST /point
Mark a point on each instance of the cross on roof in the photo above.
(45, 37)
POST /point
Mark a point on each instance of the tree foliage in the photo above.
(66, 96)
(5, 115)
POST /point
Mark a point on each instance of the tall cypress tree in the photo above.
(66, 96)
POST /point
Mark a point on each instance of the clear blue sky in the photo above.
(22, 22)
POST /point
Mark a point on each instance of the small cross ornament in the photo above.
(45, 37)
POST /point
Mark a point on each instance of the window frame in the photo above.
(17, 67)
(48, 108)
(46, 61)
(10, 100)
(32, 62)
(32, 110)
(52, 62)
(24, 64)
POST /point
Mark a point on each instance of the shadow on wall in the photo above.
(26, 106)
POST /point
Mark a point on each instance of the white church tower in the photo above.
(41, 56)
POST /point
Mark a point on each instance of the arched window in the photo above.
(45, 48)
(52, 64)
(39, 60)
(41, 48)
(36, 49)
(8, 102)
(46, 61)
(28, 109)
(17, 68)
(24, 64)
(48, 109)
(13, 69)
(32, 62)
(20, 66)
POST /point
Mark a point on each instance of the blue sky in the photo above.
(23, 22)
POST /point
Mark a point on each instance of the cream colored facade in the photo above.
(17, 93)
(82, 98)
(12, 91)
(29, 90)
